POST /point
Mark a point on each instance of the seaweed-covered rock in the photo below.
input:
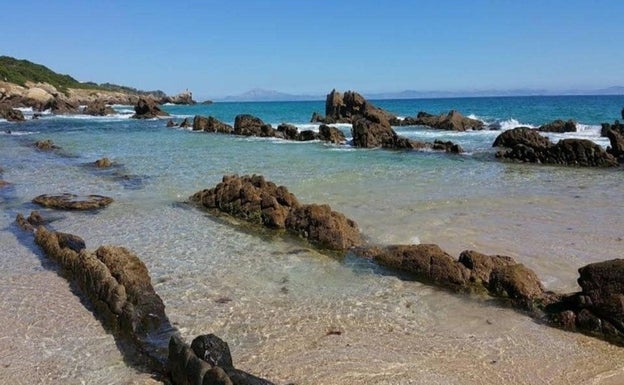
(73, 202)
(517, 282)
(481, 265)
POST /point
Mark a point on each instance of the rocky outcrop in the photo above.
(147, 108)
(261, 202)
(73, 202)
(98, 108)
(248, 125)
(452, 121)
(526, 145)
(617, 145)
(373, 130)
(61, 105)
(10, 114)
(206, 361)
(559, 126)
(347, 108)
(46, 145)
(210, 124)
(103, 163)
(616, 126)
(185, 97)
(287, 131)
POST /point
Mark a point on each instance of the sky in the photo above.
(220, 48)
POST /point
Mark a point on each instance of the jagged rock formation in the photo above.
(98, 108)
(331, 134)
(211, 124)
(264, 203)
(73, 202)
(452, 121)
(559, 126)
(526, 145)
(10, 114)
(147, 108)
(347, 108)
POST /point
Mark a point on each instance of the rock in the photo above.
(559, 126)
(288, 131)
(38, 98)
(373, 130)
(517, 282)
(527, 145)
(213, 350)
(622, 112)
(10, 114)
(171, 123)
(447, 146)
(258, 201)
(248, 125)
(347, 108)
(210, 124)
(61, 105)
(147, 108)
(98, 107)
(452, 121)
(481, 265)
(426, 261)
(46, 145)
(521, 135)
(185, 97)
(103, 163)
(617, 144)
(307, 135)
(73, 202)
(331, 134)
(603, 285)
(616, 126)
(185, 123)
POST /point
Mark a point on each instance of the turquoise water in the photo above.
(284, 296)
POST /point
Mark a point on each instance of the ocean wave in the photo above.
(17, 133)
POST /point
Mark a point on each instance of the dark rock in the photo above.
(210, 124)
(207, 102)
(288, 131)
(616, 126)
(307, 135)
(147, 108)
(73, 202)
(517, 282)
(481, 265)
(331, 134)
(10, 114)
(46, 145)
(213, 350)
(427, 262)
(99, 108)
(603, 284)
(185, 123)
(452, 121)
(317, 118)
(103, 163)
(447, 146)
(373, 130)
(521, 135)
(248, 125)
(347, 108)
(559, 126)
(262, 202)
(617, 144)
(622, 112)
(171, 123)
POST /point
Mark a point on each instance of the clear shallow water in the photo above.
(275, 300)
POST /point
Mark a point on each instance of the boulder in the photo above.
(323, 226)
(616, 126)
(185, 123)
(307, 135)
(481, 265)
(98, 107)
(559, 126)
(288, 131)
(103, 163)
(373, 130)
(452, 121)
(331, 134)
(603, 287)
(73, 202)
(10, 114)
(210, 124)
(617, 144)
(185, 97)
(521, 135)
(517, 282)
(447, 146)
(61, 105)
(46, 145)
(248, 125)
(38, 98)
(147, 108)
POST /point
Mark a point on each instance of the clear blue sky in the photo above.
(299, 46)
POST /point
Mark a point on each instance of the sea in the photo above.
(290, 313)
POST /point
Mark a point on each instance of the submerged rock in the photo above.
(73, 202)
(103, 163)
(46, 145)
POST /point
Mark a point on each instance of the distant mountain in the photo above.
(262, 95)
(411, 94)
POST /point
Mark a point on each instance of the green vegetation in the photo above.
(21, 71)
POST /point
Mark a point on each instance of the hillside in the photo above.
(22, 71)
